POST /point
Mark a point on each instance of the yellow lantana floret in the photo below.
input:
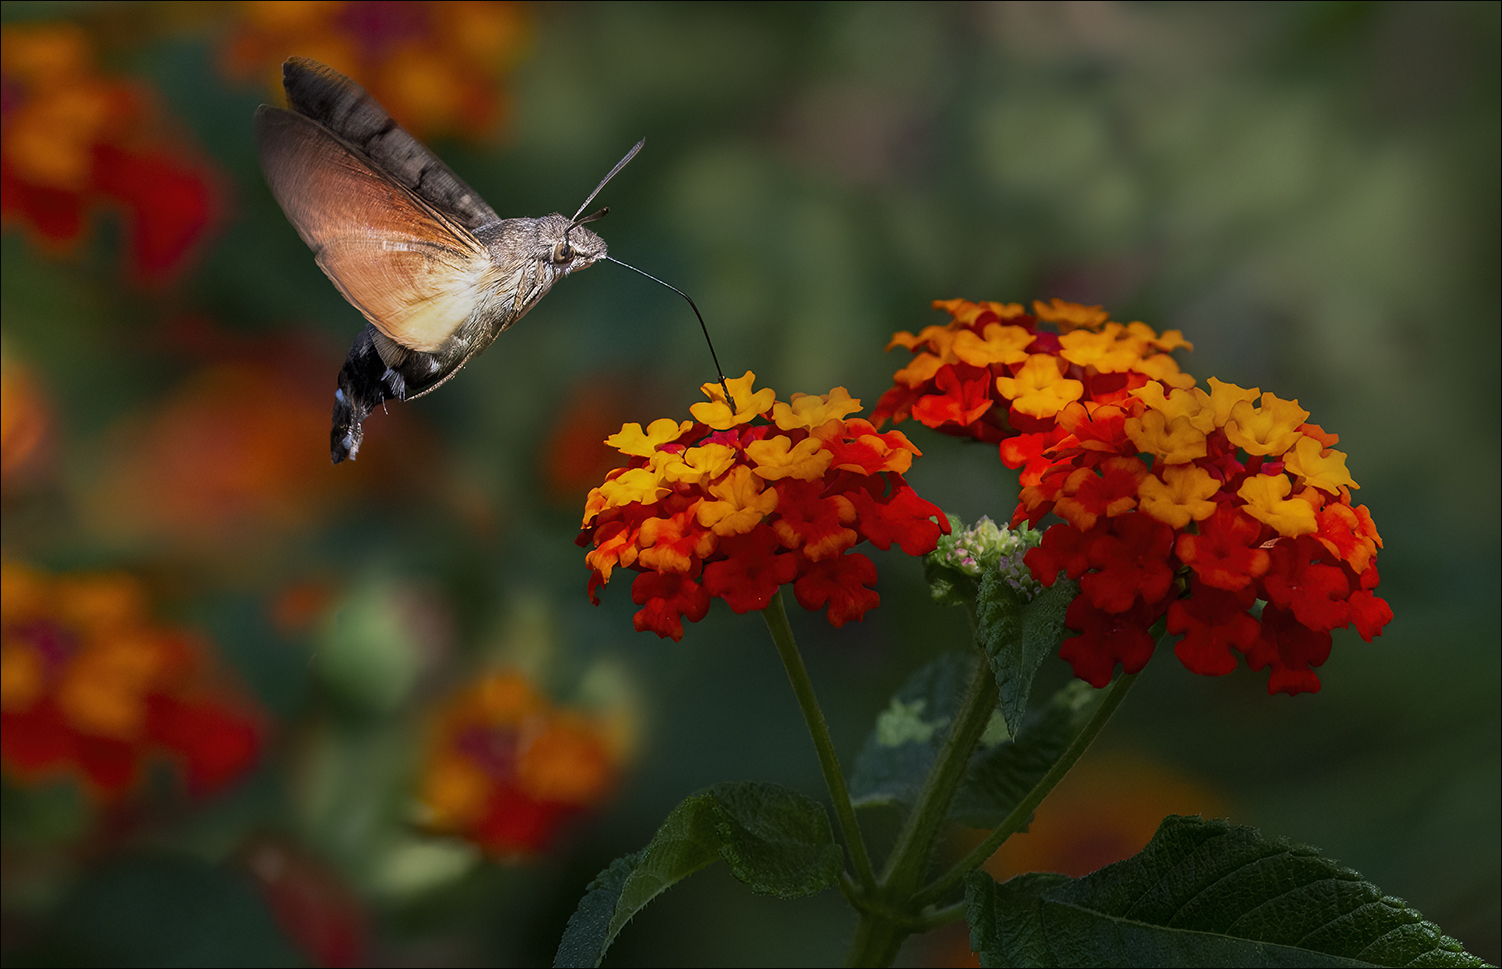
(778, 457)
(965, 312)
(720, 415)
(1170, 340)
(1182, 495)
(1175, 441)
(643, 444)
(1070, 316)
(936, 338)
(742, 503)
(698, 463)
(1111, 350)
(1320, 468)
(658, 540)
(1040, 388)
(998, 344)
(1223, 397)
(920, 371)
(1269, 429)
(637, 484)
(1265, 496)
(813, 410)
(1177, 403)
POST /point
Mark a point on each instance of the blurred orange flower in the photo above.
(575, 457)
(236, 453)
(505, 767)
(439, 68)
(76, 141)
(25, 424)
(91, 686)
(1104, 811)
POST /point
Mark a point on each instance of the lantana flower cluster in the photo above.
(750, 495)
(1225, 512)
(506, 767)
(91, 687)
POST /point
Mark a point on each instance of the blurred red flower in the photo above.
(25, 423)
(575, 456)
(76, 142)
(505, 768)
(93, 688)
(439, 68)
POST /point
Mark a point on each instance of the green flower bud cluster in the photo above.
(966, 554)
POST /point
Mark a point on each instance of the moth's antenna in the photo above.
(618, 166)
(712, 355)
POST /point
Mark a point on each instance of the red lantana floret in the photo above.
(751, 495)
(1175, 502)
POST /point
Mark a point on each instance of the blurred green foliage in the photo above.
(1308, 191)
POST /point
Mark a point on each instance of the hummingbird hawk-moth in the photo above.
(435, 272)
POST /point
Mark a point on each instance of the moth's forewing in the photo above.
(414, 273)
(333, 100)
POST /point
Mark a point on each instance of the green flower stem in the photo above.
(1020, 815)
(943, 916)
(876, 940)
(909, 859)
(787, 647)
(880, 932)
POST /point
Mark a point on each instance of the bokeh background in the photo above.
(1310, 192)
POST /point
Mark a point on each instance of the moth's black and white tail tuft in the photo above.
(361, 390)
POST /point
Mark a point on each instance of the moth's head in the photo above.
(565, 245)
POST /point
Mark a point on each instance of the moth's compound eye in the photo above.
(563, 252)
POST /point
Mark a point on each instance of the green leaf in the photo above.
(1203, 893)
(899, 752)
(775, 840)
(1018, 635)
(1000, 776)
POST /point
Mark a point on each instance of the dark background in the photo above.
(1310, 192)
